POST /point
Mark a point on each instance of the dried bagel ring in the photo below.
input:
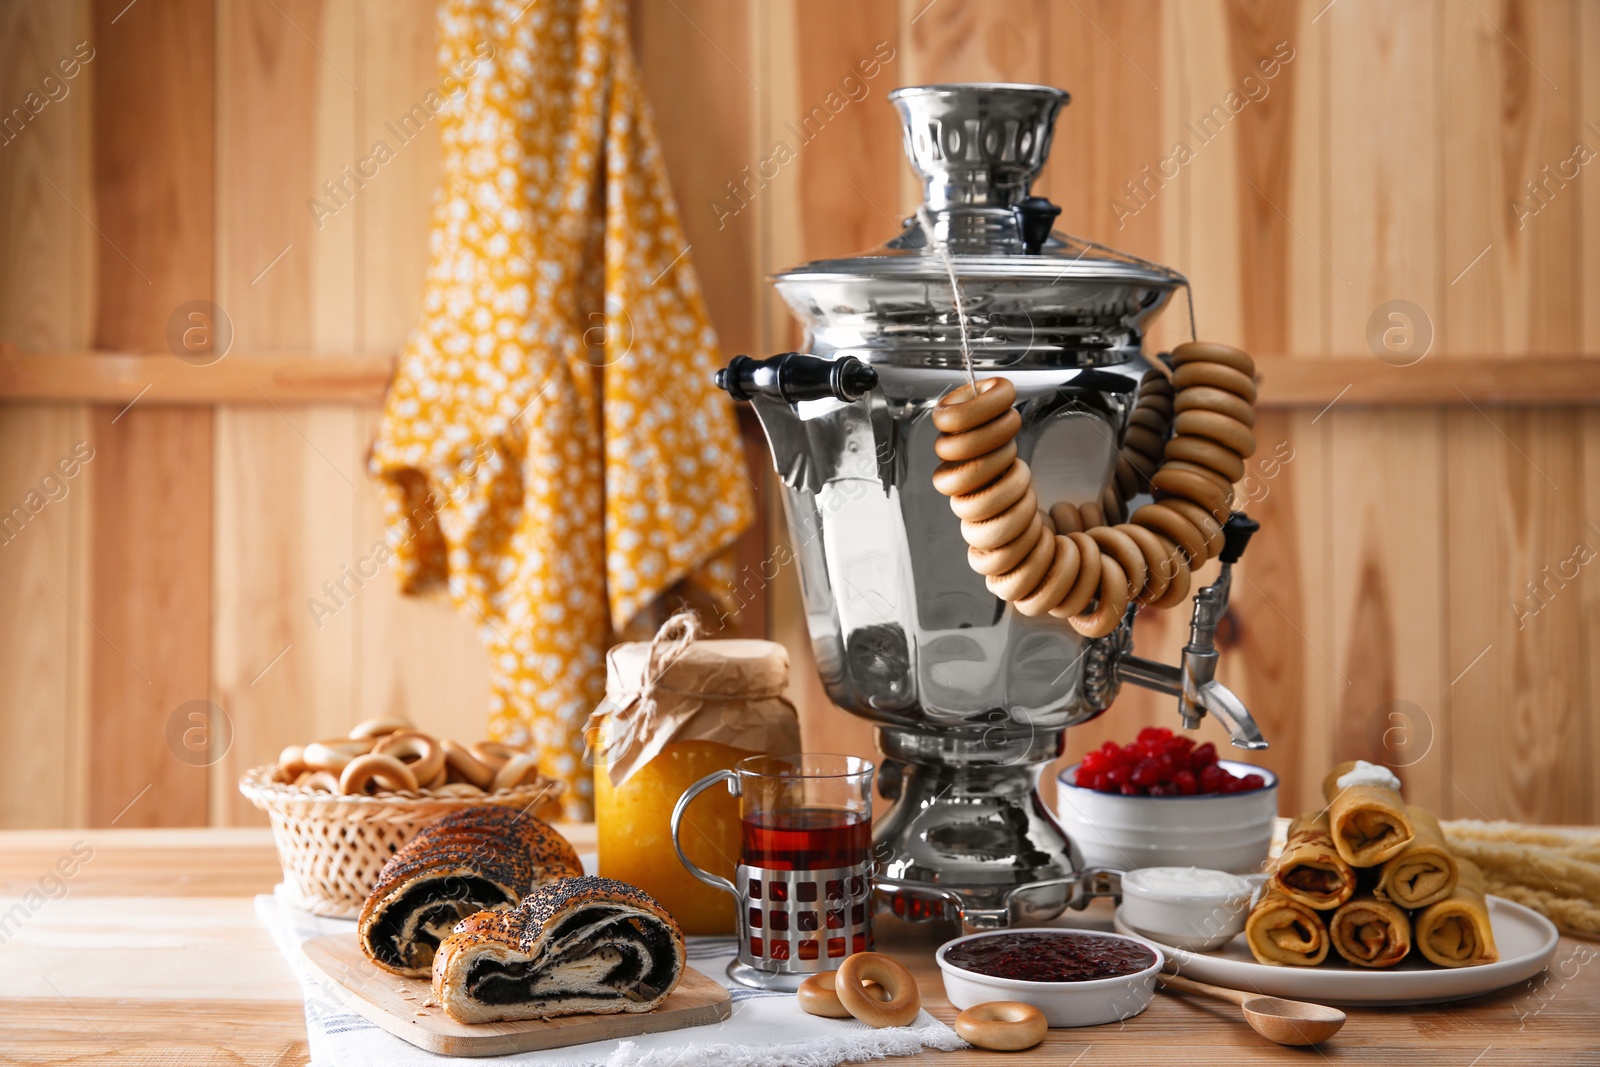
(1207, 453)
(1125, 550)
(438, 781)
(1208, 398)
(350, 746)
(953, 479)
(375, 728)
(1144, 466)
(1003, 528)
(999, 560)
(464, 766)
(1047, 522)
(416, 750)
(1222, 484)
(1157, 381)
(905, 999)
(1056, 582)
(1207, 522)
(1143, 440)
(1150, 419)
(1191, 486)
(1111, 505)
(458, 789)
(1217, 375)
(515, 771)
(960, 410)
(322, 756)
(1025, 577)
(1173, 526)
(1113, 601)
(1225, 430)
(1083, 590)
(1066, 517)
(818, 997)
(493, 754)
(1211, 352)
(1093, 514)
(318, 781)
(1127, 479)
(1002, 1025)
(973, 443)
(995, 497)
(1178, 587)
(1162, 405)
(1158, 569)
(375, 769)
(292, 760)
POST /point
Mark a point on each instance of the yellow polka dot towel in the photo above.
(552, 449)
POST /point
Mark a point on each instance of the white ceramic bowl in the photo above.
(1221, 831)
(1103, 1000)
(1186, 907)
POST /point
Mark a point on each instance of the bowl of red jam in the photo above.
(1163, 801)
(1075, 977)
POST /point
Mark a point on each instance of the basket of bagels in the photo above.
(341, 807)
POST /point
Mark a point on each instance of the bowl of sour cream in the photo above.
(1192, 908)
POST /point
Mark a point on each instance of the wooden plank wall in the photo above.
(46, 260)
(1376, 615)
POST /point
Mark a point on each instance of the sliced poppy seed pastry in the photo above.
(583, 945)
(478, 859)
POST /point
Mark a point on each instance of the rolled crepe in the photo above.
(1284, 932)
(1455, 932)
(1370, 932)
(1310, 870)
(1369, 822)
(1424, 872)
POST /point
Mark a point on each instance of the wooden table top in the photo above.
(152, 954)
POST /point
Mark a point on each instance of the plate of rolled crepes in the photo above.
(1367, 905)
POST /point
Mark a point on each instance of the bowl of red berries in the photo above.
(1164, 801)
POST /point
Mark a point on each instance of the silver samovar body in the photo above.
(970, 697)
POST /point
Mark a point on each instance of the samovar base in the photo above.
(969, 837)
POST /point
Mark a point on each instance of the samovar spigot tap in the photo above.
(1194, 681)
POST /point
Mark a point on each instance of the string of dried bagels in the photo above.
(1083, 563)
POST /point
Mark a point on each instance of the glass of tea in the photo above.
(803, 881)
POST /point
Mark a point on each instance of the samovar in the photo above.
(971, 698)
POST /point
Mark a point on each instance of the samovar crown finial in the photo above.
(977, 145)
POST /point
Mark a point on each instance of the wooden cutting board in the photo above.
(403, 1006)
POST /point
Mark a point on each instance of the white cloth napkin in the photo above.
(765, 1030)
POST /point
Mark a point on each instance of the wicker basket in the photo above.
(332, 846)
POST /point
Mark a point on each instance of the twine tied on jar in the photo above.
(636, 715)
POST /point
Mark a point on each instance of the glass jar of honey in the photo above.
(678, 709)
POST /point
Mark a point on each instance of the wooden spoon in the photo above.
(1288, 1022)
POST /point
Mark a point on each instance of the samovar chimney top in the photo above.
(977, 145)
